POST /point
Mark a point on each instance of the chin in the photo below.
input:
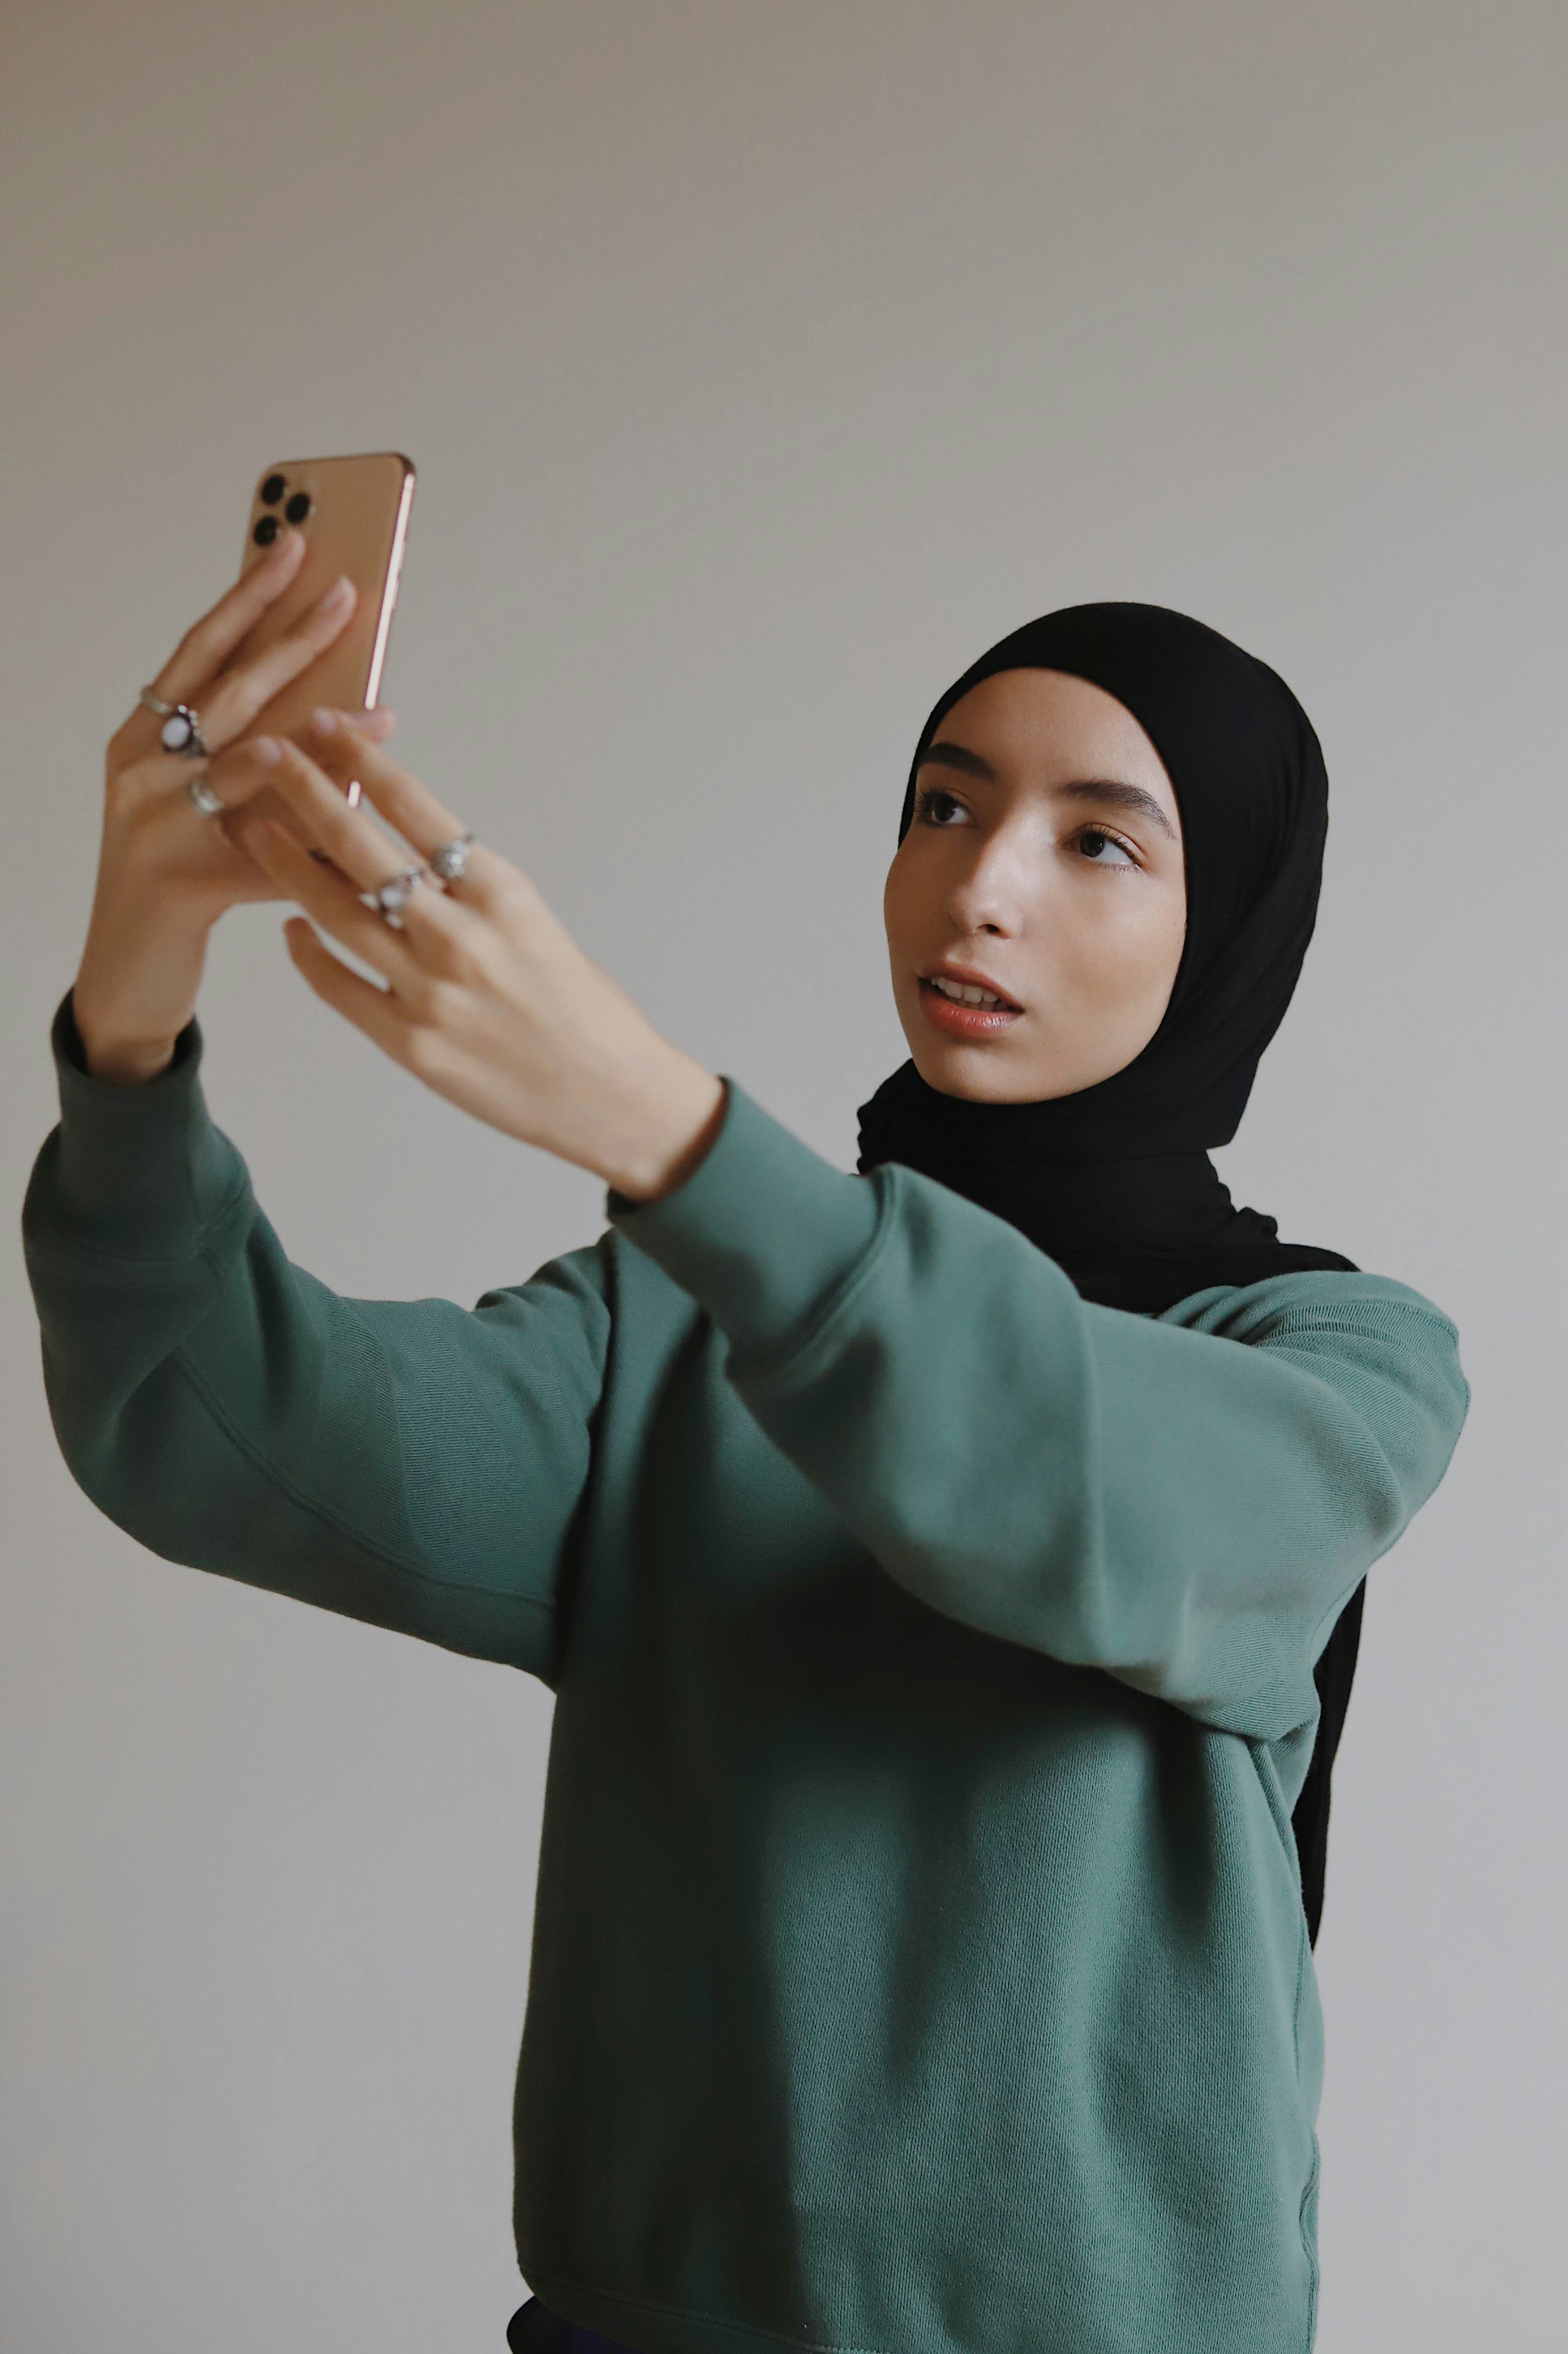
(976, 1075)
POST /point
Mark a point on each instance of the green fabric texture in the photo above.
(919, 1962)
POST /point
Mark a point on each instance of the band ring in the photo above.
(181, 730)
(449, 859)
(394, 896)
(202, 796)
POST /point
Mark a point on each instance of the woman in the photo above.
(930, 1566)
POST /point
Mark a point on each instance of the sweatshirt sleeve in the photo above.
(407, 1462)
(1185, 1504)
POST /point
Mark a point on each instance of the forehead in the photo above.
(1047, 728)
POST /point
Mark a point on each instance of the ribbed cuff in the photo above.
(764, 1233)
(141, 1171)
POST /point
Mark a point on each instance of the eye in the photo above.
(935, 807)
(1095, 842)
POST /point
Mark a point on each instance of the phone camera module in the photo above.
(298, 507)
(272, 490)
(266, 530)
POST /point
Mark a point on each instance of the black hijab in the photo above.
(1115, 1181)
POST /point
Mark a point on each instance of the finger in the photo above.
(437, 934)
(209, 642)
(234, 702)
(241, 773)
(265, 803)
(274, 765)
(242, 778)
(378, 725)
(352, 839)
(343, 752)
(332, 903)
(369, 1009)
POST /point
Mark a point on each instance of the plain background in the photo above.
(762, 363)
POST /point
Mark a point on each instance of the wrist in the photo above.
(123, 1062)
(130, 1013)
(120, 1056)
(672, 1134)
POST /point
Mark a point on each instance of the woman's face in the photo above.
(1044, 865)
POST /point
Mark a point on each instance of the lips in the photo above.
(966, 992)
(963, 1004)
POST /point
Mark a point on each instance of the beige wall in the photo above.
(761, 364)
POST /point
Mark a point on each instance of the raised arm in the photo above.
(410, 1463)
(1185, 1506)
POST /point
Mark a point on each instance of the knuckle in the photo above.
(455, 956)
(423, 1050)
(515, 906)
(414, 989)
(521, 890)
(444, 1000)
(493, 961)
(126, 791)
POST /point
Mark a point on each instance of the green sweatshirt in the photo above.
(918, 1961)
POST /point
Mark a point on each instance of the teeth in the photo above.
(963, 993)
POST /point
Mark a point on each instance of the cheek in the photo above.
(1124, 946)
(902, 900)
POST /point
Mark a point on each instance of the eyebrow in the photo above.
(1111, 791)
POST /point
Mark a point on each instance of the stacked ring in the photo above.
(394, 896)
(202, 796)
(449, 859)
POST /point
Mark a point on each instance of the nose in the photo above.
(990, 895)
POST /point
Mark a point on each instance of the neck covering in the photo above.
(1114, 1182)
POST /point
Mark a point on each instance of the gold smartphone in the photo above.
(353, 515)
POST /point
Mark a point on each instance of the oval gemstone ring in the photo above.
(181, 730)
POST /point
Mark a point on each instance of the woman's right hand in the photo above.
(165, 872)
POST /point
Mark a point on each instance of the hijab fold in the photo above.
(1115, 1181)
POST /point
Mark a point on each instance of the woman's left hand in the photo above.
(488, 998)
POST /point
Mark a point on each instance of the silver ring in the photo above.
(202, 795)
(149, 700)
(449, 859)
(394, 896)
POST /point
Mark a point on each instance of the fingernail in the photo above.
(340, 592)
(267, 749)
(283, 545)
(324, 722)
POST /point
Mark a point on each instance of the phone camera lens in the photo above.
(266, 530)
(272, 490)
(298, 507)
